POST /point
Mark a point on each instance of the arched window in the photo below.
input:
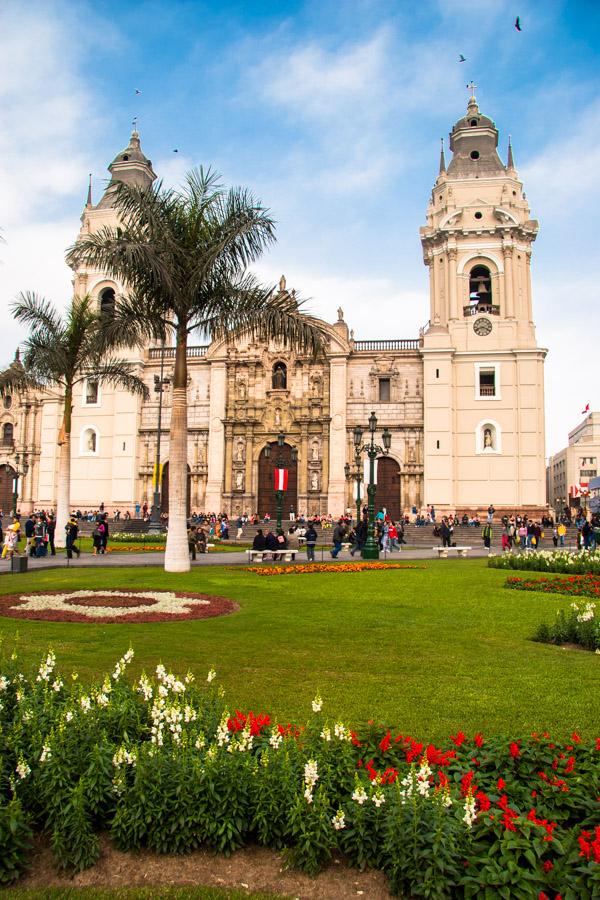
(91, 392)
(107, 301)
(89, 441)
(7, 434)
(279, 377)
(480, 289)
(488, 437)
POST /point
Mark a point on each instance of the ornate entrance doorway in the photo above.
(267, 502)
(164, 495)
(7, 479)
(388, 487)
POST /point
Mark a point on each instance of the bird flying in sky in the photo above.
(518, 23)
(462, 58)
(175, 151)
(137, 91)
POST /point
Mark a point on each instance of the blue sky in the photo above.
(332, 114)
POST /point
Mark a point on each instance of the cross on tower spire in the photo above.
(471, 87)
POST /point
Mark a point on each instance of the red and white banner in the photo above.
(579, 490)
(281, 479)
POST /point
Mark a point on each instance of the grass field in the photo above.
(428, 650)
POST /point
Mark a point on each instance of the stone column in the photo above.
(216, 437)
(337, 435)
(454, 311)
(509, 287)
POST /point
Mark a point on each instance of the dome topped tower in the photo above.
(473, 141)
(130, 166)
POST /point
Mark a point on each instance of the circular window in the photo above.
(125, 157)
(473, 123)
(474, 154)
(479, 215)
(7, 401)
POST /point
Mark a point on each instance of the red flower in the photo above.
(458, 738)
(514, 750)
(507, 820)
(576, 737)
(385, 743)
(478, 739)
(371, 770)
(534, 794)
(355, 739)
(597, 743)
(548, 865)
(389, 776)
(543, 896)
(501, 784)
(570, 765)
(466, 784)
(483, 801)
(436, 757)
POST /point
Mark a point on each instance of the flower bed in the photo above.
(108, 607)
(574, 585)
(581, 563)
(137, 537)
(320, 568)
(142, 548)
(164, 763)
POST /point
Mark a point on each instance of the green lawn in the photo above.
(427, 650)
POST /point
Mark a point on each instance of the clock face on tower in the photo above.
(482, 326)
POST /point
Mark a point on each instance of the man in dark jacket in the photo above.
(29, 535)
(72, 530)
(360, 537)
(51, 529)
(337, 537)
(311, 541)
(259, 540)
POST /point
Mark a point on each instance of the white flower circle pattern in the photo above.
(114, 606)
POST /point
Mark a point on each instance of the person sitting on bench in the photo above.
(259, 542)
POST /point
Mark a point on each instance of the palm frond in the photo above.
(119, 373)
(31, 309)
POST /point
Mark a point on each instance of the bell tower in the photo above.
(483, 369)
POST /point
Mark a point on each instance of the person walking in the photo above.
(486, 534)
(30, 535)
(104, 533)
(72, 531)
(311, 542)
(51, 529)
(11, 541)
(561, 531)
(337, 537)
(192, 541)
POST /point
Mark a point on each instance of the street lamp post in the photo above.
(373, 450)
(21, 468)
(160, 382)
(279, 463)
(357, 477)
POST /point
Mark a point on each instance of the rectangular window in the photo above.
(487, 382)
(384, 390)
(91, 392)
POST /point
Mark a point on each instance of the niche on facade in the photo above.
(488, 437)
(89, 441)
(8, 434)
(279, 377)
(315, 450)
(239, 480)
(107, 299)
(314, 482)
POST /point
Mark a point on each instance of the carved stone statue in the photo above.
(277, 416)
(314, 481)
(91, 441)
(239, 454)
(488, 439)
(241, 388)
(340, 314)
(315, 450)
(239, 480)
(279, 380)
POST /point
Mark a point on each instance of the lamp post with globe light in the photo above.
(373, 450)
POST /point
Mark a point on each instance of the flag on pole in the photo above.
(586, 410)
(281, 479)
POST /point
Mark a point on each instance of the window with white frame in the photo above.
(487, 381)
(91, 392)
(89, 441)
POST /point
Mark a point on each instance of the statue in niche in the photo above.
(91, 442)
(239, 454)
(277, 415)
(315, 385)
(315, 451)
(314, 481)
(241, 388)
(279, 378)
(488, 439)
(239, 480)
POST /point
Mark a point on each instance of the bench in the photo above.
(442, 552)
(264, 555)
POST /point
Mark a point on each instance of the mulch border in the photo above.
(219, 606)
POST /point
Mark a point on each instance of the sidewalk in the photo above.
(125, 560)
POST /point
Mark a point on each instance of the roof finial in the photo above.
(442, 160)
(511, 162)
(471, 87)
(134, 128)
(18, 355)
(89, 194)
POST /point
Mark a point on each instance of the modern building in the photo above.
(571, 471)
(464, 399)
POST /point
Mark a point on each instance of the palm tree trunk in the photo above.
(63, 492)
(177, 555)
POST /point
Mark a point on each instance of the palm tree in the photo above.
(184, 257)
(61, 352)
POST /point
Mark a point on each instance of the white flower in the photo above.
(211, 675)
(378, 798)
(311, 773)
(359, 795)
(189, 714)
(57, 685)
(124, 756)
(189, 677)
(47, 667)
(145, 687)
(46, 753)
(102, 699)
(339, 821)
(200, 742)
(158, 602)
(22, 769)
(308, 795)
(317, 704)
(85, 703)
(27, 715)
(470, 813)
(341, 732)
(222, 734)
(326, 734)
(276, 739)
(211, 752)
(4, 683)
(68, 716)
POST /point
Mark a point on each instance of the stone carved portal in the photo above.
(7, 479)
(267, 501)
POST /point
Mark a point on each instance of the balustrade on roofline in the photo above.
(200, 350)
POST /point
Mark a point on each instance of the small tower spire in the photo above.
(511, 162)
(442, 160)
(89, 202)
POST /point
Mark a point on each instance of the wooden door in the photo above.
(267, 501)
(7, 479)
(388, 487)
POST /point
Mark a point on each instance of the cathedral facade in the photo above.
(464, 400)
